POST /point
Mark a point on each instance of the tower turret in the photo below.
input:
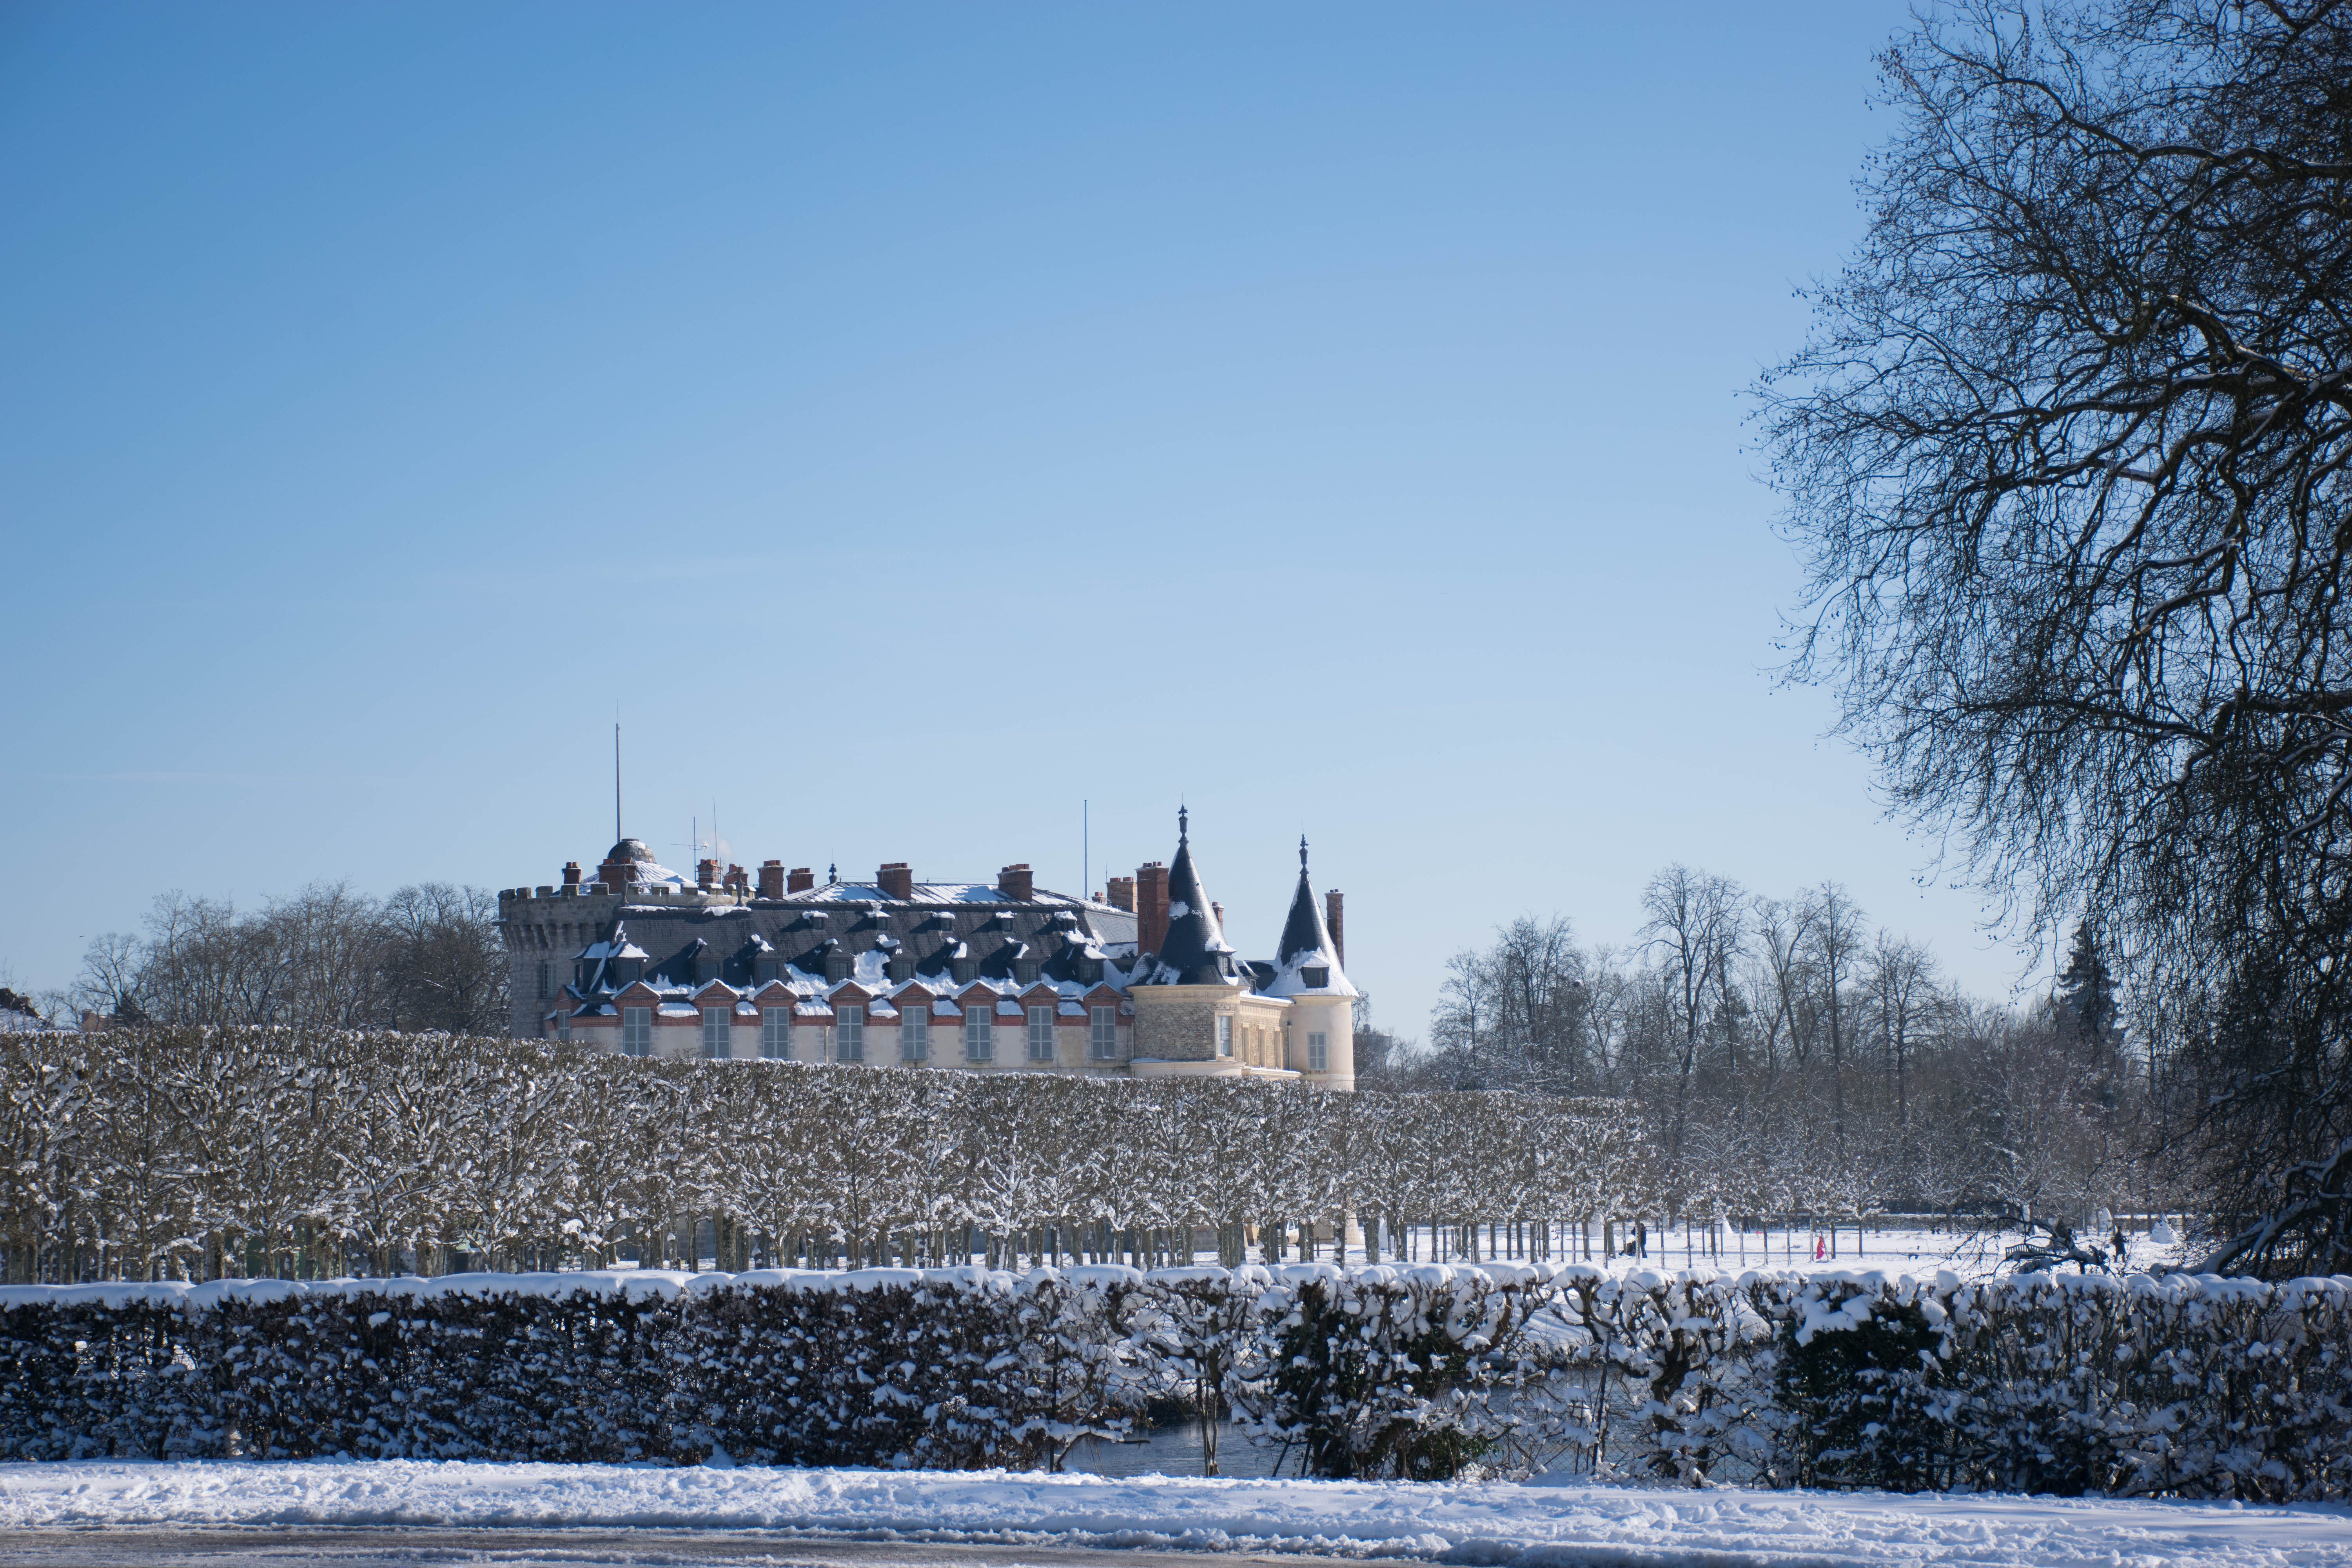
(1193, 952)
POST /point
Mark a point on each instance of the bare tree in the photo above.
(1513, 1014)
(1834, 945)
(1695, 924)
(427, 958)
(2069, 454)
(1903, 994)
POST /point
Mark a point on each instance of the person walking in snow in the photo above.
(1642, 1238)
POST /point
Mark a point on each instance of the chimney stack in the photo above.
(771, 879)
(1338, 927)
(617, 875)
(801, 880)
(1152, 907)
(1121, 893)
(706, 874)
(572, 873)
(897, 881)
(1014, 882)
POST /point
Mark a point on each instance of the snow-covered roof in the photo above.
(1305, 946)
(1194, 951)
(937, 893)
(951, 939)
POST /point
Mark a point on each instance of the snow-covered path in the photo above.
(1529, 1526)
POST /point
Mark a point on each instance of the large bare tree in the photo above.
(2067, 456)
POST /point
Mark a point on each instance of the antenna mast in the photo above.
(1086, 850)
(616, 781)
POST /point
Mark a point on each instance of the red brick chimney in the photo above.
(1338, 927)
(897, 881)
(1014, 882)
(706, 874)
(1121, 893)
(801, 880)
(617, 875)
(572, 873)
(1150, 906)
(771, 879)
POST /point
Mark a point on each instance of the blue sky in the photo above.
(918, 420)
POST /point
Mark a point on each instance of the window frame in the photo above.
(1319, 1051)
(980, 1031)
(636, 1031)
(1042, 1047)
(1102, 1033)
(915, 1032)
(776, 1033)
(1225, 1034)
(849, 1033)
(719, 1034)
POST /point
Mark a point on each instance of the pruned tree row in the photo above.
(195, 1153)
(2039, 1383)
(1788, 1057)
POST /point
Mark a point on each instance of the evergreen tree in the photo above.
(2086, 991)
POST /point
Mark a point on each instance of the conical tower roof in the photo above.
(1193, 953)
(1307, 944)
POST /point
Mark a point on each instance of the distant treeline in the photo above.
(426, 957)
(1789, 1055)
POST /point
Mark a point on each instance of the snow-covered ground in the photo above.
(1971, 1254)
(1533, 1525)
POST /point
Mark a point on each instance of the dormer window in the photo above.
(1315, 977)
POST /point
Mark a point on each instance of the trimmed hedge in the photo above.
(2194, 1387)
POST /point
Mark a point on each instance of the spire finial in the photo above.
(1184, 825)
(1302, 851)
(832, 873)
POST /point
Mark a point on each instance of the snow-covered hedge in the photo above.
(2194, 1385)
(2191, 1385)
(947, 1368)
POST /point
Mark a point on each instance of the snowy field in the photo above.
(1971, 1255)
(1490, 1525)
